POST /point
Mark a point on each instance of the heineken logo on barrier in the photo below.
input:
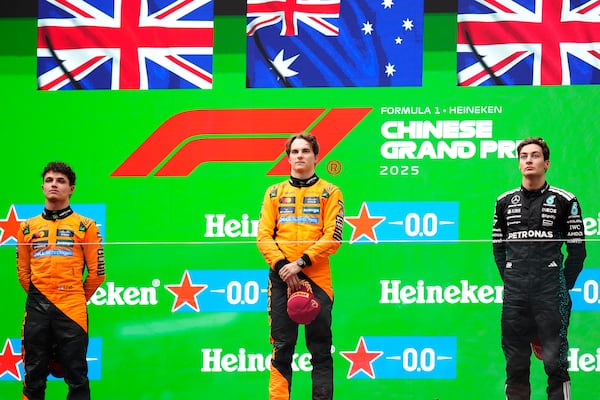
(191, 138)
(395, 292)
(375, 222)
(217, 360)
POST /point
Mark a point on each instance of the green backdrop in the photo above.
(417, 297)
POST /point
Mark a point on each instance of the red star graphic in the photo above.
(361, 359)
(10, 226)
(9, 361)
(185, 293)
(364, 224)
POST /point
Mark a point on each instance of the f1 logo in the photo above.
(191, 138)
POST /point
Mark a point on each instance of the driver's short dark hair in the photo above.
(306, 136)
(535, 140)
(60, 167)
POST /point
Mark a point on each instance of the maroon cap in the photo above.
(536, 346)
(56, 368)
(302, 306)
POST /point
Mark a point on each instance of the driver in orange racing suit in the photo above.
(300, 226)
(53, 251)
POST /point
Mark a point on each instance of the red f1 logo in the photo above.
(191, 138)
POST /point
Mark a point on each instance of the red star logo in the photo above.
(9, 361)
(364, 224)
(10, 226)
(361, 359)
(185, 293)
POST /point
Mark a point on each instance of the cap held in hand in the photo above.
(56, 368)
(536, 346)
(302, 306)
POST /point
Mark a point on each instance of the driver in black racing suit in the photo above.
(531, 223)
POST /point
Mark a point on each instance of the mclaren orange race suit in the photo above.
(54, 249)
(301, 219)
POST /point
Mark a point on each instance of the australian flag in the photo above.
(528, 42)
(125, 44)
(334, 43)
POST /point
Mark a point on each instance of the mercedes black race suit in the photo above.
(530, 228)
(53, 252)
(301, 218)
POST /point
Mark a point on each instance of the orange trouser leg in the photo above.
(278, 386)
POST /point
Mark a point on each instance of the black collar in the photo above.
(303, 182)
(57, 214)
(535, 192)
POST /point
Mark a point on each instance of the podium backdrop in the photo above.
(175, 179)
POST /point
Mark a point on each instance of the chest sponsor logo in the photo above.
(530, 234)
(65, 233)
(311, 200)
(287, 210)
(311, 210)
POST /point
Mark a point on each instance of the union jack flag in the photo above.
(528, 42)
(125, 44)
(334, 43)
(314, 13)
